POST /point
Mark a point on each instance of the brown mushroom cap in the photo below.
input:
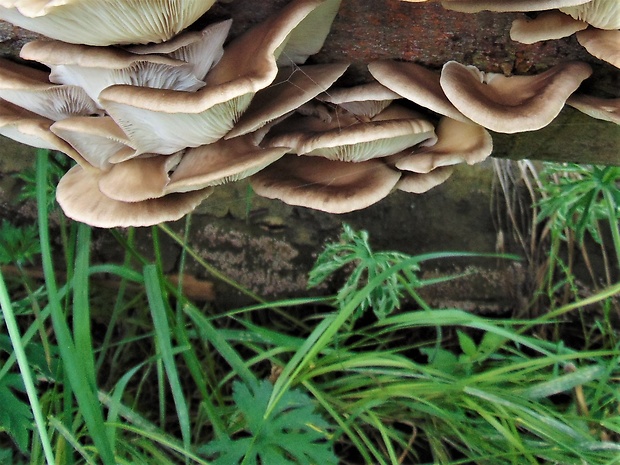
(604, 45)
(327, 185)
(547, 25)
(345, 138)
(511, 104)
(599, 108)
(457, 142)
(31, 90)
(415, 83)
(291, 89)
(80, 198)
(221, 162)
(104, 22)
(474, 6)
(418, 183)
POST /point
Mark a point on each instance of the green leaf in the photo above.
(468, 346)
(15, 415)
(292, 434)
(18, 244)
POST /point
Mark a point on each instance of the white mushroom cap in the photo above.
(164, 121)
(602, 14)
(365, 100)
(104, 22)
(30, 89)
(95, 68)
(547, 25)
(415, 83)
(511, 104)
(327, 185)
(457, 142)
(291, 89)
(202, 49)
(97, 138)
(599, 108)
(604, 45)
(80, 198)
(345, 138)
(474, 6)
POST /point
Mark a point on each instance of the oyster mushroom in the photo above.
(547, 25)
(104, 22)
(366, 100)
(418, 183)
(474, 6)
(604, 45)
(599, 108)
(327, 185)
(346, 138)
(511, 104)
(165, 121)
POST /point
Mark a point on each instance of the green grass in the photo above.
(370, 375)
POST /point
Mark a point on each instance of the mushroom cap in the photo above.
(166, 121)
(415, 83)
(474, 6)
(31, 90)
(80, 198)
(418, 183)
(604, 45)
(457, 142)
(95, 68)
(511, 104)
(97, 138)
(602, 14)
(291, 89)
(104, 22)
(139, 178)
(221, 162)
(366, 100)
(327, 185)
(599, 108)
(345, 138)
(547, 25)
(201, 49)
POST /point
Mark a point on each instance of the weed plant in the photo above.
(370, 375)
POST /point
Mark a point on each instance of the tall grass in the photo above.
(157, 379)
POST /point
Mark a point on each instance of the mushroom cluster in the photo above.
(149, 125)
(155, 124)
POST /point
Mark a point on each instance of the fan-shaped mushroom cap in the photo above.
(366, 100)
(327, 185)
(602, 14)
(604, 45)
(474, 6)
(457, 142)
(418, 183)
(415, 83)
(104, 22)
(33, 130)
(345, 138)
(292, 88)
(80, 198)
(165, 121)
(221, 162)
(547, 25)
(511, 104)
(139, 178)
(202, 49)
(97, 138)
(31, 90)
(95, 68)
(599, 108)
